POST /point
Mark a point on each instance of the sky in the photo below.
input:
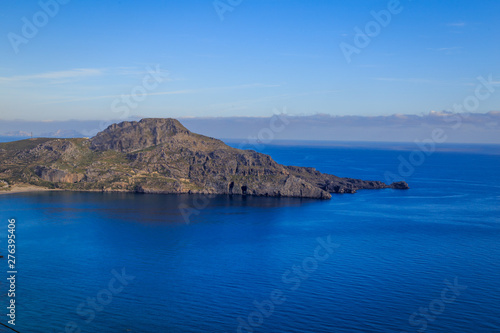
(88, 60)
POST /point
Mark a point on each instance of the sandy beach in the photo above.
(26, 188)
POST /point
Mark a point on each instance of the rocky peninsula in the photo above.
(162, 156)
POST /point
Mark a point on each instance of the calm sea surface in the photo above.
(423, 260)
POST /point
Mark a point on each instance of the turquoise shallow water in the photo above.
(131, 263)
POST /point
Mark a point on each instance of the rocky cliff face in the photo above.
(162, 156)
(57, 176)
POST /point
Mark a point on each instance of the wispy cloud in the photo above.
(67, 74)
(447, 50)
(456, 82)
(77, 99)
(318, 92)
(160, 93)
(244, 104)
(210, 56)
(63, 76)
(238, 86)
(301, 55)
(457, 24)
(407, 80)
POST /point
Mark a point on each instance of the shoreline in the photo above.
(34, 189)
(29, 188)
(26, 188)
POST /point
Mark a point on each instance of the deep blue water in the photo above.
(394, 251)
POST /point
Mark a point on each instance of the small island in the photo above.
(161, 156)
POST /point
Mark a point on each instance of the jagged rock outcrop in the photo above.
(162, 156)
(130, 136)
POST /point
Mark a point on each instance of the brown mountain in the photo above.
(162, 156)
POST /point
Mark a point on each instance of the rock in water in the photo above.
(162, 156)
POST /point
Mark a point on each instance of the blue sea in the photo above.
(422, 260)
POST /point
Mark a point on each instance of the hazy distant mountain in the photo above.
(464, 128)
(62, 134)
(17, 134)
(55, 134)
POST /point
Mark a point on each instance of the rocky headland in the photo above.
(162, 156)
